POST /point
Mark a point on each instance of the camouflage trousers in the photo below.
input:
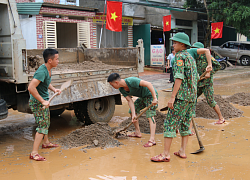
(179, 118)
(141, 103)
(42, 116)
(208, 91)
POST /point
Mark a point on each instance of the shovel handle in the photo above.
(52, 97)
(138, 116)
(202, 76)
(196, 132)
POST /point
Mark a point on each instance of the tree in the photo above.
(235, 13)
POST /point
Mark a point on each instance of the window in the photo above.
(247, 47)
(112, 39)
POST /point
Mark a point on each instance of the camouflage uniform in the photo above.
(42, 116)
(206, 86)
(141, 103)
(184, 68)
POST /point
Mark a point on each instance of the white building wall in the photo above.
(241, 37)
(28, 26)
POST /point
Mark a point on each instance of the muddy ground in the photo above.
(226, 154)
(102, 135)
(227, 110)
(242, 99)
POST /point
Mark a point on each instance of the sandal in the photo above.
(220, 121)
(40, 158)
(178, 154)
(149, 144)
(159, 158)
(50, 145)
(134, 135)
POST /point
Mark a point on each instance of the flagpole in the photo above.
(102, 25)
(164, 39)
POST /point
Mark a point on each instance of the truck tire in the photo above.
(245, 60)
(56, 112)
(101, 109)
(3, 109)
(80, 109)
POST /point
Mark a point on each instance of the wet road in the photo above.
(226, 155)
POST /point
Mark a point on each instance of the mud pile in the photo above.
(242, 99)
(227, 110)
(94, 135)
(144, 124)
(34, 62)
(85, 65)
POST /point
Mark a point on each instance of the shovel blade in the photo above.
(199, 150)
(66, 85)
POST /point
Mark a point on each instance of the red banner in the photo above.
(114, 16)
(216, 30)
(167, 23)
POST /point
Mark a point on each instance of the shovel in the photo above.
(198, 138)
(63, 87)
(117, 132)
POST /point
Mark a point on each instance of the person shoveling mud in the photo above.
(147, 94)
(39, 97)
(205, 86)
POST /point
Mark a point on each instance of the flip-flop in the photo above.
(159, 158)
(178, 154)
(149, 144)
(40, 158)
(134, 135)
(220, 121)
(50, 145)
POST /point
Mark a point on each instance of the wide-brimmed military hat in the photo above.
(182, 38)
(198, 45)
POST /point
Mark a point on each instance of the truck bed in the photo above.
(89, 77)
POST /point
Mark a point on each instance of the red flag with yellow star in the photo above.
(114, 16)
(216, 30)
(167, 23)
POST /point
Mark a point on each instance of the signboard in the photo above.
(125, 20)
(157, 55)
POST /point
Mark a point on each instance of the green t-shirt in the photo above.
(135, 89)
(193, 53)
(42, 74)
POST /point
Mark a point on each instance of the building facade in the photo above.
(48, 25)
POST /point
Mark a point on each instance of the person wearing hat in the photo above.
(183, 99)
(205, 86)
(195, 53)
